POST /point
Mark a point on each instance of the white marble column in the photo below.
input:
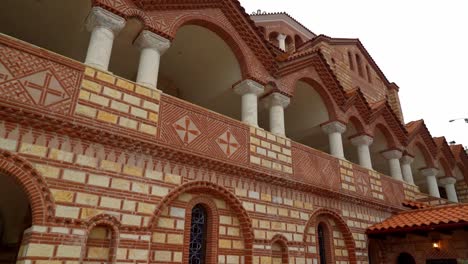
(334, 130)
(449, 184)
(406, 161)
(249, 90)
(152, 48)
(362, 143)
(276, 103)
(431, 174)
(393, 156)
(104, 26)
(281, 41)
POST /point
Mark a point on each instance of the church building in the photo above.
(189, 131)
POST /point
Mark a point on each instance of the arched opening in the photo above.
(350, 61)
(279, 253)
(380, 144)
(289, 44)
(58, 26)
(405, 258)
(444, 171)
(15, 218)
(200, 67)
(263, 31)
(419, 163)
(125, 54)
(100, 246)
(323, 239)
(359, 65)
(306, 112)
(298, 41)
(273, 38)
(198, 235)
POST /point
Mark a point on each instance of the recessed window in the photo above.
(359, 65)
(350, 59)
(197, 246)
(369, 76)
(322, 243)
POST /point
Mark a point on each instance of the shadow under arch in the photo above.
(323, 93)
(216, 27)
(234, 203)
(32, 183)
(342, 226)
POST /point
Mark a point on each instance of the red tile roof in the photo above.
(423, 219)
(414, 204)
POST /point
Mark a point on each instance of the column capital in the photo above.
(99, 17)
(148, 39)
(334, 127)
(447, 180)
(428, 172)
(276, 99)
(362, 140)
(392, 154)
(407, 159)
(281, 37)
(248, 86)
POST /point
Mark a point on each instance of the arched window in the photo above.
(197, 247)
(322, 244)
(350, 59)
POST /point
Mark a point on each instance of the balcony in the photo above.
(43, 90)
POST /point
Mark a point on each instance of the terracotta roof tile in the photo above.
(422, 219)
(414, 204)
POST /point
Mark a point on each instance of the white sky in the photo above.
(421, 45)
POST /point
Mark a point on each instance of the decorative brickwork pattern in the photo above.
(116, 101)
(270, 151)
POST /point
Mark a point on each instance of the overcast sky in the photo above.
(421, 45)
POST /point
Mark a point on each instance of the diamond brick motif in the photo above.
(186, 130)
(228, 143)
(44, 88)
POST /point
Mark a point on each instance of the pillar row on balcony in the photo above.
(334, 130)
(276, 103)
(104, 26)
(152, 47)
(431, 180)
(449, 185)
(249, 90)
(362, 142)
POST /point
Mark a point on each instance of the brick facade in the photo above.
(113, 169)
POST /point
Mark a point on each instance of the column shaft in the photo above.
(250, 109)
(336, 144)
(432, 186)
(407, 173)
(100, 48)
(148, 67)
(451, 193)
(364, 156)
(277, 120)
(395, 169)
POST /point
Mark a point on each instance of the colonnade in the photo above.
(105, 26)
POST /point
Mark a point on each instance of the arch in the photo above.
(344, 229)
(426, 154)
(325, 246)
(215, 26)
(405, 258)
(358, 124)
(324, 95)
(108, 221)
(32, 183)
(391, 141)
(283, 243)
(213, 225)
(216, 190)
(444, 164)
(298, 41)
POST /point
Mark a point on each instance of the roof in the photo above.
(414, 204)
(285, 15)
(424, 219)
